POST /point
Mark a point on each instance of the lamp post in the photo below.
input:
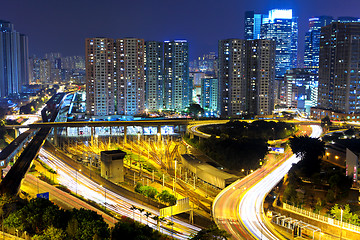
(341, 216)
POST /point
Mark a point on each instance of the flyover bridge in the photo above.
(12, 181)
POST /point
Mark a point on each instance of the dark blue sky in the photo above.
(62, 25)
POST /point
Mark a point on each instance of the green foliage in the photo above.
(212, 233)
(326, 122)
(347, 215)
(167, 197)
(51, 233)
(257, 129)
(42, 218)
(90, 224)
(310, 150)
(148, 191)
(36, 216)
(235, 153)
(195, 109)
(129, 229)
(339, 185)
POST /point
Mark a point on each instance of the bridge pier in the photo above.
(56, 136)
(17, 132)
(159, 132)
(125, 134)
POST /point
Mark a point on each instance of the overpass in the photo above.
(12, 181)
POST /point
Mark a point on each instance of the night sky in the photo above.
(62, 25)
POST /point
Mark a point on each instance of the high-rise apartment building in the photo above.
(177, 94)
(210, 96)
(14, 68)
(130, 76)
(100, 76)
(154, 74)
(115, 76)
(281, 26)
(246, 75)
(339, 68)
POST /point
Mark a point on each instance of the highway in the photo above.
(87, 188)
(238, 209)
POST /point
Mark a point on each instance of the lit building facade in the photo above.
(312, 41)
(14, 55)
(154, 74)
(130, 79)
(100, 78)
(177, 93)
(252, 24)
(339, 68)
(246, 76)
(301, 87)
(210, 96)
(281, 26)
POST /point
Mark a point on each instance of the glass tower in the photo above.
(13, 60)
(280, 26)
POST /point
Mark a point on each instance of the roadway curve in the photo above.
(238, 209)
(89, 189)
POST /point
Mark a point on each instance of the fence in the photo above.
(322, 218)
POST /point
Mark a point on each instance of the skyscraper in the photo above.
(301, 88)
(339, 68)
(177, 94)
(100, 79)
(115, 76)
(13, 60)
(253, 23)
(312, 41)
(312, 38)
(130, 76)
(246, 75)
(154, 74)
(210, 96)
(281, 26)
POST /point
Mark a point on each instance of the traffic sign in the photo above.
(43, 195)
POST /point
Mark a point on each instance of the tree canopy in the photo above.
(310, 150)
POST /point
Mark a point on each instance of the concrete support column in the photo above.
(56, 136)
(125, 134)
(17, 132)
(159, 132)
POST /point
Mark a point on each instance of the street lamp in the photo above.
(341, 223)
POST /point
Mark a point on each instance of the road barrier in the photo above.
(322, 218)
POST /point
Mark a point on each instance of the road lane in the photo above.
(239, 208)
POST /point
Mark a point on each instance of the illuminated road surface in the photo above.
(76, 182)
(238, 209)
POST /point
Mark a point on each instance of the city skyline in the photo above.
(63, 27)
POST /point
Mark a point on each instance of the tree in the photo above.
(326, 122)
(347, 215)
(90, 224)
(147, 214)
(212, 233)
(141, 210)
(133, 208)
(157, 219)
(195, 109)
(128, 229)
(51, 233)
(310, 150)
(36, 216)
